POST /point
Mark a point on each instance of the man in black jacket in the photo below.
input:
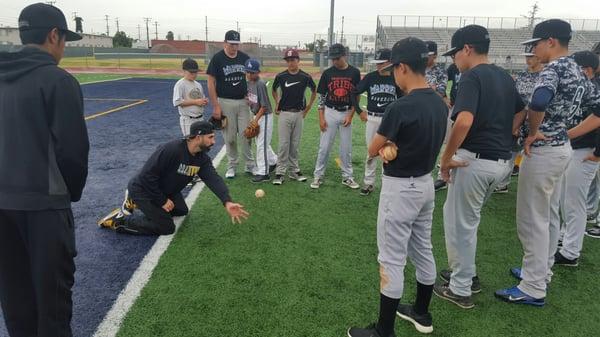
(156, 189)
(43, 164)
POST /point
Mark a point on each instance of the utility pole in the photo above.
(330, 38)
(107, 30)
(147, 32)
(206, 38)
(139, 32)
(342, 34)
(237, 23)
(117, 20)
(74, 15)
(156, 29)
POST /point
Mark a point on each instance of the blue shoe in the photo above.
(516, 272)
(514, 295)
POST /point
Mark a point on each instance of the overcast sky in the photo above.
(280, 22)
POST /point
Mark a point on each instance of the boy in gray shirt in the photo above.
(188, 96)
(266, 159)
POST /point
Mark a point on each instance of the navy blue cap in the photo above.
(252, 66)
(201, 128)
(432, 47)
(337, 50)
(471, 34)
(42, 16)
(382, 55)
(555, 28)
(232, 37)
(190, 64)
(586, 59)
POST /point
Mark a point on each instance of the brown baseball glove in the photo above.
(252, 130)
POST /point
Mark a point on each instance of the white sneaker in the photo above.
(230, 174)
(316, 183)
(350, 183)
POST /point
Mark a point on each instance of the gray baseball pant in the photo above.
(468, 191)
(238, 117)
(373, 123)
(185, 122)
(335, 121)
(506, 180)
(593, 196)
(404, 229)
(575, 187)
(265, 157)
(536, 211)
(290, 131)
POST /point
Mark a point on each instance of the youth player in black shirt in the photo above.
(156, 189)
(381, 91)
(416, 124)
(336, 111)
(227, 89)
(292, 109)
(476, 157)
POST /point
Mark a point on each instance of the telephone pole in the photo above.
(206, 38)
(147, 32)
(342, 34)
(107, 29)
(156, 30)
(117, 20)
(139, 32)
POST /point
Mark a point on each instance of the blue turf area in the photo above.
(120, 142)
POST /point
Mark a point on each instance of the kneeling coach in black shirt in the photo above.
(156, 189)
(416, 124)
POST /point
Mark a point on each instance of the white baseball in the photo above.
(259, 193)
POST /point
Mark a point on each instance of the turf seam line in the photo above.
(142, 101)
(111, 323)
(108, 80)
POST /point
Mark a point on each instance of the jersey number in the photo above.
(576, 104)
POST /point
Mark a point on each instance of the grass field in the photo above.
(304, 264)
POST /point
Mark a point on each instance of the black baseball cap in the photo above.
(337, 50)
(408, 50)
(586, 59)
(432, 47)
(232, 37)
(190, 65)
(42, 16)
(201, 128)
(291, 54)
(382, 55)
(471, 34)
(555, 28)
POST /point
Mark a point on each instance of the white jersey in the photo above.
(185, 89)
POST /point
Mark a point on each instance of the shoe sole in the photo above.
(352, 187)
(314, 187)
(566, 264)
(365, 194)
(298, 179)
(501, 192)
(535, 304)
(473, 291)
(278, 183)
(592, 236)
(110, 215)
(449, 299)
(420, 328)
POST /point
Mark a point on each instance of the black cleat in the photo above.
(423, 323)
(475, 285)
(560, 260)
(440, 185)
(501, 190)
(367, 189)
(370, 331)
(272, 168)
(260, 178)
(443, 291)
(515, 171)
(593, 232)
(278, 179)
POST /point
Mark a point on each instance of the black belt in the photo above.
(486, 156)
(339, 108)
(375, 114)
(292, 110)
(194, 117)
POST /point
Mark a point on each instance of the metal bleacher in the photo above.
(506, 34)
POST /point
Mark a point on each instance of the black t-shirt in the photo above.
(338, 85)
(454, 76)
(230, 74)
(168, 171)
(293, 87)
(416, 123)
(381, 91)
(489, 93)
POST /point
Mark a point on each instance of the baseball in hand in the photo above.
(259, 193)
(389, 152)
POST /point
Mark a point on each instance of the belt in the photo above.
(197, 117)
(486, 156)
(375, 114)
(292, 110)
(339, 108)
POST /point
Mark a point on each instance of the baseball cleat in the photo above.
(350, 183)
(475, 285)
(439, 185)
(515, 272)
(278, 179)
(113, 220)
(260, 178)
(316, 183)
(297, 176)
(560, 260)
(442, 290)
(423, 323)
(128, 205)
(592, 218)
(230, 174)
(593, 232)
(367, 189)
(515, 295)
(501, 190)
(370, 331)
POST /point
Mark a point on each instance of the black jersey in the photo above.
(337, 85)
(454, 76)
(230, 74)
(416, 123)
(381, 91)
(293, 87)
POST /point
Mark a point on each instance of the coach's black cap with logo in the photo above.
(432, 47)
(337, 50)
(555, 28)
(190, 65)
(201, 128)
(586, 59)
(471, 34)
(232, 37)
(408, 50)
(42, 16)
(382, 55)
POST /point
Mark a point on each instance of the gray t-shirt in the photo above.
(183, 90)
(257, 96)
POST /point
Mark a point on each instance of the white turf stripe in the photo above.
(108, 80)
(113, 319)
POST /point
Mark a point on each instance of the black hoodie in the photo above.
(43, 137)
